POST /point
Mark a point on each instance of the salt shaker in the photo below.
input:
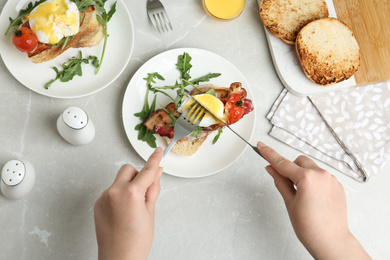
(75, 126)
(17, 179)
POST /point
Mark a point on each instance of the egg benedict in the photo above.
(49, 28)
(55, 19)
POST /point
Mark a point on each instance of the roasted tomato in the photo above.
(234, 108)
(25, 39)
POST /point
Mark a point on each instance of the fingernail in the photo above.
(270, 170)
(261, 144)
(157, 150)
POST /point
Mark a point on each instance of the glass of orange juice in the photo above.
(224, 10)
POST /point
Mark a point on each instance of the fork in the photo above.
(186, 124)
(223, 122)
(158, 16)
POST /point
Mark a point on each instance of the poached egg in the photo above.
(210, 102)
(55, 19)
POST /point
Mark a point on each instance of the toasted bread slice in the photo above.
(285, 18)
(90, 34)
(187, 146)
(327, 51)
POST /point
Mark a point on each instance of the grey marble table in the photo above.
(234, 214)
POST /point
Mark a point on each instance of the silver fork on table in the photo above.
(158, 16)
(186, 124)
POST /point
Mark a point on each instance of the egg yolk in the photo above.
(53, 20)
(211, 103)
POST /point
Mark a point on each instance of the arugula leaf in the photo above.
(178, 98)
(211, 91)
(63, 42)
(217, 136)
(83, 5)
(184, 65)
(104, 18)
(144, 134)
(205, 78)
(193, 83)
(150, 79)
(18, 20)
(72, 68)
(197, 131)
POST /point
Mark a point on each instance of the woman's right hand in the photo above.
(316, 204)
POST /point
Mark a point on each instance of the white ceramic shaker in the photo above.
(75, 126)
(17, 179)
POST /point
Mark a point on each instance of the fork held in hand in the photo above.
(186, 124)
(158, 16)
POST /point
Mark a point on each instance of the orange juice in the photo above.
(224, 10)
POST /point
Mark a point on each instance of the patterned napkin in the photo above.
(348, 129)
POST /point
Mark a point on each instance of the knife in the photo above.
(212, 113)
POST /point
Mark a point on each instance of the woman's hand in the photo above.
(316, 204)
(124, 213)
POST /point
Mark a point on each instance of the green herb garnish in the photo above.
(72, 68)
(211, 91)
(104, 18)
(239, 102)
(197, 131)
(144, 134)
(217, 136)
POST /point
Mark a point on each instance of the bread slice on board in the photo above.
(327, 51)
(285, 18)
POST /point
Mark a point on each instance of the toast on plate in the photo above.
(285, 18)
(328, 51)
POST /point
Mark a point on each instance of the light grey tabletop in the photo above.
(234, 214)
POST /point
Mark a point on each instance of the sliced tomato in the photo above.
(234, 108)
(25, 39)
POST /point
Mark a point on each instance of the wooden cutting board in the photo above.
(370, 22)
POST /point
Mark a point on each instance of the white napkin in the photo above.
(348, 129)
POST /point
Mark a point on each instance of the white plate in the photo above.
(34, 76)
(209, 159)
(289, 69)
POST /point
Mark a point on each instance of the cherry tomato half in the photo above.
(25, 39)
(234, 108)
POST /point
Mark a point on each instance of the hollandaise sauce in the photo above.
(224, 10)
(54, 19)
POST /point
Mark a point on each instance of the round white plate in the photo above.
(34, 76)
(209, 159)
